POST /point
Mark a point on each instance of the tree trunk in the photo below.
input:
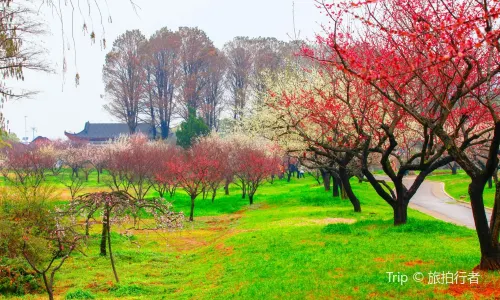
(226, 188)
(111, 252)
(488, 241)
(191, 213)
(243, 190)
(151, 106)
(214, 193)
(87, 224)
(104, 233)
(164, 130)
(326, 179)
(346, 185)
(336, 186)
(490, 261)
(48, 286)
(343, 193)
(250, 197)
(400, 209)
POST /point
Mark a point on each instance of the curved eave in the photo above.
(74, 137)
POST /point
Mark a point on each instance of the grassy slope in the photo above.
(457, 186)
(281, 248)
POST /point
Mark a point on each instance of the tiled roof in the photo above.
(105, 131)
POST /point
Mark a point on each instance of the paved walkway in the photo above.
(431, 199)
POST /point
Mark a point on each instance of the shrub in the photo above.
(16, 277)
(79, 294)
(127, 290)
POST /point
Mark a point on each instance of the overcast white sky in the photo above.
(57, 108)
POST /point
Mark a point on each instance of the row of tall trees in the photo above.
(162, 77)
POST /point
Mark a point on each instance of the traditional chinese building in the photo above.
(40, 140)
(101, 133)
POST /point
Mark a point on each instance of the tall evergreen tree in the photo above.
(191, 129)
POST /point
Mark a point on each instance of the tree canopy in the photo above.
(191, 129)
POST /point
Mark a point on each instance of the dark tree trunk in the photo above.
(98, 176)
(346, 185)
(400, 209)
(104, 233)
(164, 129)
(132, 124)
(488, 240)
(226, 188)
(214, 193)
(326, 179)
(191, 213)
(172, 192)
(243, 190)
(317, 176)
(151, 106)
(490, 183)
(336, 186)
(250, 197)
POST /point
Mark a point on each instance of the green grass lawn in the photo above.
(296, 242)
(457, 186)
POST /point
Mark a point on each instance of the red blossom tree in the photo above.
(252, 167)
(218, 150)
(138, 162)
(25, 167)
(163, 180)
(439, 63)
(193, 170)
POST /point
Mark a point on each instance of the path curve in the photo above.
(432, 200)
